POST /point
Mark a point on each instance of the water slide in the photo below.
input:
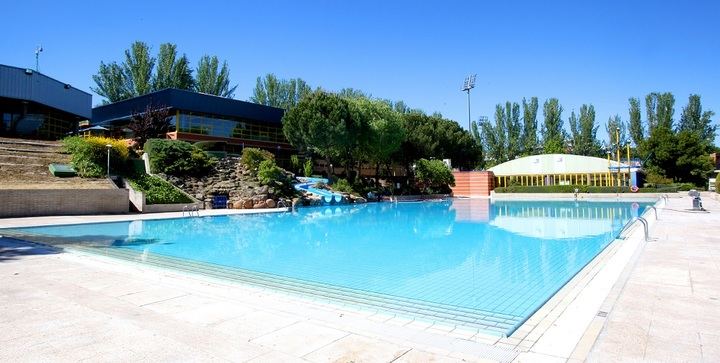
(327, 196)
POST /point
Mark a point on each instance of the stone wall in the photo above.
(473, 184)
(50, 202)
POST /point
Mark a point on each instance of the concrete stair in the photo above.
(24, 165)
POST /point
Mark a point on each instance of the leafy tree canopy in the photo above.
(140, 73)
(282, 93)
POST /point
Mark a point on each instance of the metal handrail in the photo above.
(655, 209)
(646, 227)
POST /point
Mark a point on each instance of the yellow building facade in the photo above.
(561, 169)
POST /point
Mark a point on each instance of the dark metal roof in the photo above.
(177, 99)
(29, 85)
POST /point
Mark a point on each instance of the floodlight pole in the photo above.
(467, 86)
(469, 119)
(37, 57)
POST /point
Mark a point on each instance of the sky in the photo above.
(594, 52)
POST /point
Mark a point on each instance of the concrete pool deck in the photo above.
(70, 306)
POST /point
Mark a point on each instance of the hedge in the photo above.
(157, 191)
(580, 188)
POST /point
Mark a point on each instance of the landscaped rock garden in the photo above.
(242, 188)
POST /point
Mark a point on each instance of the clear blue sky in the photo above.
(598, 52)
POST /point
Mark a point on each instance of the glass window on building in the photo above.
(211, 126)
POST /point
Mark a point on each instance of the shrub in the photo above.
(308, 167)
(717, 183)
(89, 155)
(654, 178)
(342, 185)
(177, 158)
(252, 158)
(157, 191)
(268, 173)
(433, 176)
(295, 162)
(684, 187)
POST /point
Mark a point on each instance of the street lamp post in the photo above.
(108, 146)
(467, 86)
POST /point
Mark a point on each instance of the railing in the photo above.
(646, 227)
(190, 209)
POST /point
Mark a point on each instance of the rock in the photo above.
(360, 200)
(260, 197)
(238, 204)
(247, 204)
(260, 205)
(270, 203)
(296, 202)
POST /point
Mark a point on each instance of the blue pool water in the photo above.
(487, 264)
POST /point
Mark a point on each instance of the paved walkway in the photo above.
(669, 309)
(71, 307)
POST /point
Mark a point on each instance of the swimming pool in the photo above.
(471, 262)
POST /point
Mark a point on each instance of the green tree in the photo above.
(694, 119)
(680, 156)
(138, 67)
(637, 131)
(553, 135)
(172, 71)
(387, 132)
(271, 91)
(325, 123)
(353, 93)
(613, 124)
(433, 176)
(494, 137)
(213, 79)
(529, 139)
(111, 83)
(503, 140)
(585, 140)
(660, 109)
(140, 73)
(514, 130)
(435, 137)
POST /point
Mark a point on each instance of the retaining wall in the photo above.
(52, 202)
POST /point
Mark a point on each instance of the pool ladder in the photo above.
(191, 210)
(646, 225)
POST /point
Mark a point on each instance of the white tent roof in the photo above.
(554, 164)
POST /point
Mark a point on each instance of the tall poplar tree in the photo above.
(584, 132)
(553, 135)
(637, 131)
(694, 119)
(282, 93)
(211, 78)
(611, 127)
(529, 138)
(172, 71)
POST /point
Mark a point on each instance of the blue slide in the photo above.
(327, 196)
